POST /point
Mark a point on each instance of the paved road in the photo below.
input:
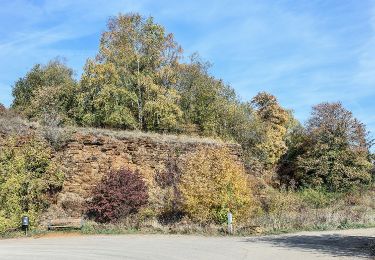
(349, 244)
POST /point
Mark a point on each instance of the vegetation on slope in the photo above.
(28, 180)
(320, 172)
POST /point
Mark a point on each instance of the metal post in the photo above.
(25, 224)
(230, 223)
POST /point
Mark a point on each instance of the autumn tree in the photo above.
(272, 120)
(297, 144)
(212, 108)
(44, 89)
(130, 82)
(332, 153)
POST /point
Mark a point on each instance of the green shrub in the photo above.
(28, 180)
(317, 198)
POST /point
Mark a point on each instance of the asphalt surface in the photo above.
(349, 244)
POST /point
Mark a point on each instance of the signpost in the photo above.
(25, 224)
(230, 223)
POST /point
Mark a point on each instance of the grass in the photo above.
(20, 233)
(19, 126)
(287, 212)
(12, 123)
(157, 137)
(91, 228)
(110, 229)
(263, 227)
(312, 210)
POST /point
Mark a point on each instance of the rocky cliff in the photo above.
(89, 154)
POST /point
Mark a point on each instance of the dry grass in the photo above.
(152, 227)
(156, 137)
(11, 124)
(290, 211)
(57, 137)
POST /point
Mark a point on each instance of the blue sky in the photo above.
(304, 52)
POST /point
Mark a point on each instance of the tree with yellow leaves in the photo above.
(273, 119)
(213, 183)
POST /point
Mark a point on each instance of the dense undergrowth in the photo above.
(283, 212)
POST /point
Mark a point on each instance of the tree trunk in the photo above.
(139, 101)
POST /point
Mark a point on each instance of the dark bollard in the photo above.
(25, 224)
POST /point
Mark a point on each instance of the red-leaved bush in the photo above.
(119, 194)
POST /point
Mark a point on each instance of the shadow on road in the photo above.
(336, 245)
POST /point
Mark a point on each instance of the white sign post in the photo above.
(230, 221)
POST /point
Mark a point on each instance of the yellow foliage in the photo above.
(274, 119)
(212, 184)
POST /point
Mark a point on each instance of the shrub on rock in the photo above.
(29, 180)
(120, 194)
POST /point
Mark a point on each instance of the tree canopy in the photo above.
(45, 88)
(332, 152)
(130, 83)
(140, 80)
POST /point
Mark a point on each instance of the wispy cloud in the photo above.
(30, 30)
(366, 62)
(305, 51)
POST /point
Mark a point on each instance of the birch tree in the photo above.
(136, 64)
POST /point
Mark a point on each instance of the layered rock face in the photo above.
(90, 153)
(87, 156)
